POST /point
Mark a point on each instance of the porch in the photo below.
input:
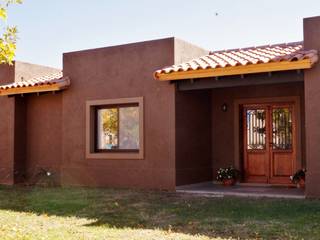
(216, 131)
(253, 121)
(243, 108)
(212, 189)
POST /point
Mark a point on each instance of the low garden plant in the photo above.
(228, 175)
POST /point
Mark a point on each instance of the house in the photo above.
(164, 113)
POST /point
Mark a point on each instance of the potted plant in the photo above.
(299, 178)
(227, 176)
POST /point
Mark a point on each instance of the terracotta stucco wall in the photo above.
(20, 143)
(312, 100)
(14, 132)
(43, 137)
(6, 129)
(193, 124)
(193, 137)
(120, 72)
(38, 138)
(223, 129)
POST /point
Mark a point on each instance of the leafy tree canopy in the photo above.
(8, 36)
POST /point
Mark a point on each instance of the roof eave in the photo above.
(236, 70)
(36, 89)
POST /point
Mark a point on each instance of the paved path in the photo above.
(216, 190)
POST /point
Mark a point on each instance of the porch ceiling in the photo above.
(281, 57)
(48, 83)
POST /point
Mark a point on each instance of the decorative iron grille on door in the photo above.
(256, 129)
(282, 128)
(269, 142)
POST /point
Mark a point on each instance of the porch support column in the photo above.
(311, 27)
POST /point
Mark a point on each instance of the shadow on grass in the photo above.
(212, 217)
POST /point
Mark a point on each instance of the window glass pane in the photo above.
(256, 128)
(118, 128)
(282, 128)
(107, 132)
(129, 127)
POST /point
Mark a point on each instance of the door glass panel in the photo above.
(282, 128)
(256, 128)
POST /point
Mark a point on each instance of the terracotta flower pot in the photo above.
(228, 182)
(301, 183)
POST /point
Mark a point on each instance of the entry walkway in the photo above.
(217, 190)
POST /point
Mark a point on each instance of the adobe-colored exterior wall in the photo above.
(15, 137)
(20, 142)
(192, 124)
(311, 28)
(43, 138)
(193, 137)
(223, 130)
(48, 131)
(121, 72)
(6, 129)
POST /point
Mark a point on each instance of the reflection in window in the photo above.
(256, 128)
(282, 128)
(118, 128)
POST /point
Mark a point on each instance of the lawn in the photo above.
(83, 213)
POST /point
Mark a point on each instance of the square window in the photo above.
(115, 128)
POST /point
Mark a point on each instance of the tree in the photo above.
(8, 37)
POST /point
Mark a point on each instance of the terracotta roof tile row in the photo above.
(242, 57)
(55, 78)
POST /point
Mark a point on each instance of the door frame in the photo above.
(268, 152)
(238, 157)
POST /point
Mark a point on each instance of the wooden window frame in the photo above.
(91, 129)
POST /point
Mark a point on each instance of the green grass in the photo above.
(83, 213)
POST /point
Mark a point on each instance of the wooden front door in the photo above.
(269, 132)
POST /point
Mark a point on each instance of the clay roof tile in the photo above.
(253, 55)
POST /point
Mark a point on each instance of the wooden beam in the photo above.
(236, 70)
(237, 81)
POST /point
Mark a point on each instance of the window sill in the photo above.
(115, 155)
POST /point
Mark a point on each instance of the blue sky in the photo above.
(47, 28)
